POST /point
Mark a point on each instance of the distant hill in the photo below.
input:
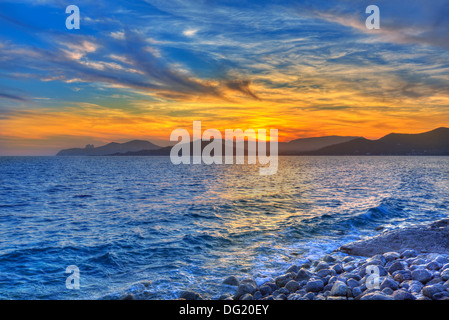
(110, 148)
(310, 144)
(435, 142)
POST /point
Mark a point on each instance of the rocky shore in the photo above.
(406, 264)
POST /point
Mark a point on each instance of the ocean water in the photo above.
(145, 226)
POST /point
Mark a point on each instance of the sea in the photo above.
(143, 226)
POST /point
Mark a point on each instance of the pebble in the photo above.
(404, 275)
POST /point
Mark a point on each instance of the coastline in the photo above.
(411, 263)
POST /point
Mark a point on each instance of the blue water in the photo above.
(143, 225)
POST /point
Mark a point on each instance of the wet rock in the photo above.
(433, 265)
(388, 291)
(421, 275)
(396, 266)
(389, 283)
(190, 295)
(322, 265)
(244, 288)
(257, 295)
(231, 281)
(338, 268)
(445, 275)
(292, 286)
(376, 296)
(303, 274)
(391, 256)
(339, 289)
(247, 296)
(293, 268)
(281, 281)
(402, 294)
(314, 285)
(429, 291)
(265, 290)
(430, 238)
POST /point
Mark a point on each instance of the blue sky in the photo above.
(139, 69)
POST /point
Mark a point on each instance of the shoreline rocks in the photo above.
(418, 239)
(372, 272)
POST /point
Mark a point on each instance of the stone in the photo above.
(314, 285)
(418, 238)
(257, 295)
(445, 274)
(339, 289)
(292, 286)
(321, 265)
(265, 290)
(352, 283)
(190, 295)
(409, 253)
(293, 268)
(244, 288)
(328, 258)
(281, 281)
(429, 291)
(226, 296)
(303, 274)
(433, 265)
(325, 272)
(376, 296)
(247, 296)
(309, 296)
(356, 291)
(388, 291)
(421, 275)
(396, 266)
(415, 286)
(391, 256)
(231, 281)
(389, 283)
(338, 268)
(402, 294)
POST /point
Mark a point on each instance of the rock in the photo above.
(265, 290)
(352, 283)
(293, 268)
(333, 298)
(329, 259)
(402, 294)
(388, 291)
(445, 274)
(309, 296)
(281, 281)
(339, 289)
(244, 288)
(391, 256)
(356, 291)
(433, 265)
(257, 295)
(129, 297)
(376, 296)
(190, 295)
(325, 272)
(396, 266)
(415, 286)
(421, 275)
(402, 275)
(292, 286)
(247, 296)
(231, 281)
(443, 295)
(430, 238)
(226, 296)
(314, 285)
(322, 265)
(409, 253)
(303, 274)
(338, 268)
(389, 283)
(429, 291)
(378, 260)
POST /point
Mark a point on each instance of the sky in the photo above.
(141, 69)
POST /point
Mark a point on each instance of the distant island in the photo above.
(435, 142)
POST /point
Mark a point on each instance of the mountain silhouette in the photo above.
(435, 142)
(110, 148)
